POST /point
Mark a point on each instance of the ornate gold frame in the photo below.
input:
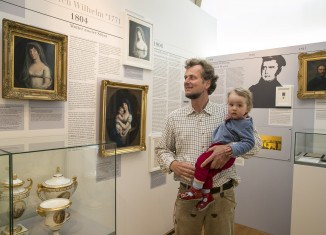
(306, 64)
(113, 95)
(14, 36)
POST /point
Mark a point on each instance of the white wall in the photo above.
(261, 24)
(141, 210)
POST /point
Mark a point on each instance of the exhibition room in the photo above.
(108, 110)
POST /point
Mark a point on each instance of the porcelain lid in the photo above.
(57, 180)
(15, 182)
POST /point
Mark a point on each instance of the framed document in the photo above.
(154, 138)
(316, 155)
(284, 96)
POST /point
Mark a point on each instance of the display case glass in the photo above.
(310, 147)
(56, 184)
(4, 201)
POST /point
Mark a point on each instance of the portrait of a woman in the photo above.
(36, 73)
(123, 122)
(123, 118)
(139, 41)
(140, 49)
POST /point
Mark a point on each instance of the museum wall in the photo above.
(96, 33)
(267, 179)
(266, 189)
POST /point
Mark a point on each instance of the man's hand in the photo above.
(221, 154)
(183, 169)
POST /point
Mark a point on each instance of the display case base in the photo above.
(19, 230)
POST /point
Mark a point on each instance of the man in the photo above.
(187, 134)
(318, 83)
(264, 91)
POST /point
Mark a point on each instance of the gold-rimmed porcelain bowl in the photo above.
(57, 187)
(55, 212)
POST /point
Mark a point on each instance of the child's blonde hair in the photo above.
(243, 93)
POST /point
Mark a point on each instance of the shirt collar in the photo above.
(208, 109)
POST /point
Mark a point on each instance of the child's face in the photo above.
(121, 111)
(237, 106)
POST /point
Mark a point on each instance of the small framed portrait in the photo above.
(154, 139)
(312, 75)
(34, 63)
(138, 42)
(123, 117)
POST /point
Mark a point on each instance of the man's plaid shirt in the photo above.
(187, 134)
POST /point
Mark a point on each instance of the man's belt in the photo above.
(220, 189)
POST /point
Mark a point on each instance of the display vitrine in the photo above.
(310, 147)
(55, 184)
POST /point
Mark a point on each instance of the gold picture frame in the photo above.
(309, 85)
(34, 63)
(123, 117)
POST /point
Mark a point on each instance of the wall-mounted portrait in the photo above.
(263, 91)
(312, 75)
(138, 42)
(123, 117)
(34, 63)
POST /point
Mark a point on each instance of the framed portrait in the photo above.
(138, 42)
(154, 139)
(123, 117)
(34, 63)
(312, 75)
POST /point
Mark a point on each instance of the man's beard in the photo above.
(193, 96)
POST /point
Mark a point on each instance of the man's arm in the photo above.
(166, 154)
(165, 150)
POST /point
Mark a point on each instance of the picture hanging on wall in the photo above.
(284, 96)
(312, 75)
(138, 42)
(152, 158)
(123, 117)
(34, 63)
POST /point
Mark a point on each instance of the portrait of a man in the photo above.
(317, 74)
(34, 64)
(264, 91)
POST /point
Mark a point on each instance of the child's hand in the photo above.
(228, 117)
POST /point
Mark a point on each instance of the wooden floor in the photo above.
(244, 230)
(240, 230)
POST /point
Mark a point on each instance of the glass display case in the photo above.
(310, 147)
(55, 184)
